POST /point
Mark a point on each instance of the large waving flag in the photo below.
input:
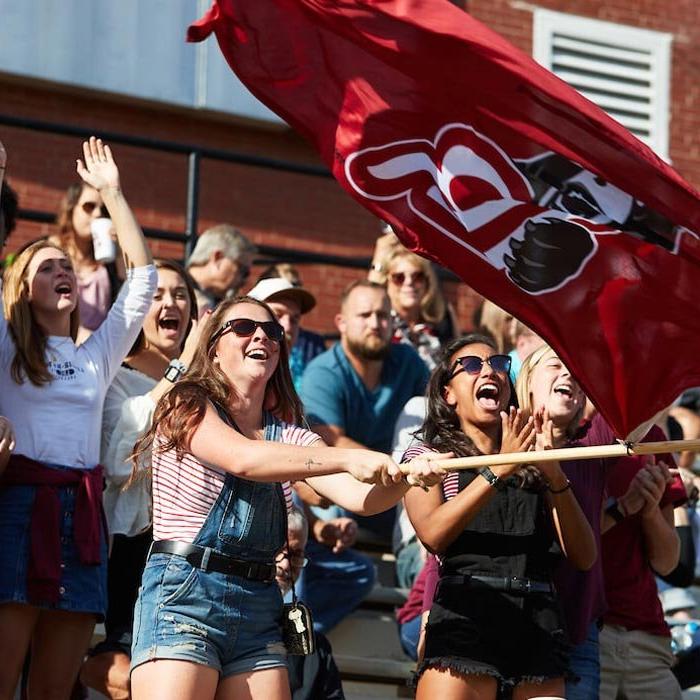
(490, 165)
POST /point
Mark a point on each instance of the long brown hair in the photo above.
(30, 340)
(442, 430)
(182, 409)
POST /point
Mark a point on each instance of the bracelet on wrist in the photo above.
(564, 488)
(495, 481)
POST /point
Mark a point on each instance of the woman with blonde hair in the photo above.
(421, 316)
(546, 387)
(53, 550)
(224, 445)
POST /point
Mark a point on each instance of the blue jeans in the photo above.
(333, 585)
(585, 663)
(409, 633)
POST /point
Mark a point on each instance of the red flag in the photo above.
(490, 165)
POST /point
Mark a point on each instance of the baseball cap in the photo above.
(275, 288)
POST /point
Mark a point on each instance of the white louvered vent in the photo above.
(624, 70)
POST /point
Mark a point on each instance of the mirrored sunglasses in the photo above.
(471, 364)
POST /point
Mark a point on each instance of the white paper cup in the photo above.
(105, 248)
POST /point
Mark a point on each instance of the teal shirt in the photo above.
(334, 394)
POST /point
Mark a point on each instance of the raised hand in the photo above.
(517, 432)
(99, 169)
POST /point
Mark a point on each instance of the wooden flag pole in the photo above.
(565, 454)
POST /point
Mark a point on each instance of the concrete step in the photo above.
(385, 597)
(369, 634)
(362, 690)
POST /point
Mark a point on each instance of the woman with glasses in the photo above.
(495, 620)
(224, 445)
(53, 548)
(98, 283)
(420, 314)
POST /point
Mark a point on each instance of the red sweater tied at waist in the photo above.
(44, 569)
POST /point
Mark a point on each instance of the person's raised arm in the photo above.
(100, 172)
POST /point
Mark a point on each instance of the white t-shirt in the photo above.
(60, 422)
(128, 413)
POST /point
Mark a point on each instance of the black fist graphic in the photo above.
(551, 251)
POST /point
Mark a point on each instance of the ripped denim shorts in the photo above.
(225, 622)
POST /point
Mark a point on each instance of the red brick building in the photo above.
(314, 214)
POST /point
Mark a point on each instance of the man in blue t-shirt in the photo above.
(353, 395)
(354, 392)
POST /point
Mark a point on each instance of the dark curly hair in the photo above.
(441, 429)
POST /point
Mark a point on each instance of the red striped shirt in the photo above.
(450, 484)
(185, 490)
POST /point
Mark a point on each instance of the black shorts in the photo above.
(513, 637)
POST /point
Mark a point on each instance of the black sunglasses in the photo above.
(245, 327)
(471, 364)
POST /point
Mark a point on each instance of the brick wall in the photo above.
(282, 209)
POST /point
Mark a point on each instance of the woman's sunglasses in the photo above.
(245, 327)
(398, 278)
(89, 207)
(471, 364)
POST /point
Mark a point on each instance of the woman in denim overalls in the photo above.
(207, 622)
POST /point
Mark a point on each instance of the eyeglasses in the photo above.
(398, 278)
(89, 207)
(245, 327)
(471, 364)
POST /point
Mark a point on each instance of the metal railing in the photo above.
(194, 155)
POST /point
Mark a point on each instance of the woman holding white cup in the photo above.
(86, 233)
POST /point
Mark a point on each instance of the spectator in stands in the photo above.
(496, 322)
(316, 675)
(8, 212)
(525, 341)
(290, 302)
(98, 283)
(307, 344)
(219, 264)
(53, 552)
(354, 392)
(206, 620)
(157, 358)
(419, 312)
(545, 382)
(638, 539)
(495, 619)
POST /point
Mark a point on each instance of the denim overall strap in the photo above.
(248, 520)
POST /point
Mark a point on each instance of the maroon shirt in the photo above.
(582, 593)
(630, 585)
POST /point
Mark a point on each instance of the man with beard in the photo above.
(354, 392)
(353, 395)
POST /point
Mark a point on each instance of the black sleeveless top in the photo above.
(512, 535)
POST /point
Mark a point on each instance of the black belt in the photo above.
(207, 559)
(509, 584)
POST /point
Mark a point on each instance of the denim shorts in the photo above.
(83, 588)
(225, 622)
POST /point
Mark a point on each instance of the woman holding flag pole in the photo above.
(495, 620)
